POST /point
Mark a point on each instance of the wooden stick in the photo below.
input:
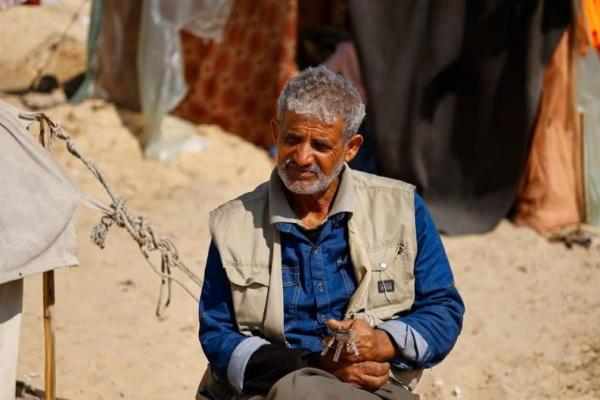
(50, 370)
(48, 288)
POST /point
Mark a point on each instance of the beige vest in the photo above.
(382, 240)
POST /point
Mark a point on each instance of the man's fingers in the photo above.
(373, 368)
(368, 375)
(372, 382)
(335, 324)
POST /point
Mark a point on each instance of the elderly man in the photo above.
(317, 249)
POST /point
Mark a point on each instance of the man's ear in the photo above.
(353, 146)
(275, 128)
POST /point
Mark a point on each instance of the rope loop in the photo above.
(136, 225)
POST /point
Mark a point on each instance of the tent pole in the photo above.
(48, 289)
(50, 370)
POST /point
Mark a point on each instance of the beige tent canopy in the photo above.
(38, 204)
(37, 234)
(37, 231)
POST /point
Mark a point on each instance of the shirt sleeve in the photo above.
(427, 333)
(226, 349)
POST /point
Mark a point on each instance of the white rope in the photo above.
(136, 225)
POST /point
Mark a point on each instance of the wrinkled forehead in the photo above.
(300, 121)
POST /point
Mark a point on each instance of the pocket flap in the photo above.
(246, 276)
(383, 257)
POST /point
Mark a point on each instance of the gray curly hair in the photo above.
(324, 95)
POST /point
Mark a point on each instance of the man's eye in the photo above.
(291, 139)
(321, 146)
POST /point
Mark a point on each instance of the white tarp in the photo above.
(37, 204)
(11, 305)
(160, 58)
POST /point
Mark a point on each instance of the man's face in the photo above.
(310, 153)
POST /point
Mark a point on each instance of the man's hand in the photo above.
(373, 344)
(368, 375)
(370, 369)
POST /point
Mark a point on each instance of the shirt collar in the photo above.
(281, 211)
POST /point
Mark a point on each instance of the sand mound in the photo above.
(36, 37)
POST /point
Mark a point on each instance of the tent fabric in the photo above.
(135, 57)
(117, 46)
(344, 61)
(551, 192)
(38, 204)
(160, 57)
(588, 102)
(454, 89)
(5, 4)
(591, 9)
(11, 312)
(235, 83)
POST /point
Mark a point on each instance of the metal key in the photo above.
(341, 338)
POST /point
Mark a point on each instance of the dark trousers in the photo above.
(312, 383)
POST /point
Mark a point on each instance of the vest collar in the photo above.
(281, 211)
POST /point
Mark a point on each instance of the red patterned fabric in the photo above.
(235, 84)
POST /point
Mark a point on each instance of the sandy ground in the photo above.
(532, 328)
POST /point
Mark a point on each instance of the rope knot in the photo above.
(100, 231)
(137, 226)
(120, 211)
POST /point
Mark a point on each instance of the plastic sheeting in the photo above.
(135, 56)
(589, 104)
(160, 61)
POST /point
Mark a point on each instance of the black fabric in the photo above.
(272, 362)
(366, 159)
(454, 88)
(312, 234)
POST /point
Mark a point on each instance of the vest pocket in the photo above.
(392, 281)
(249, 288)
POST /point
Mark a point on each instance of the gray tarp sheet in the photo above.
(37, 204)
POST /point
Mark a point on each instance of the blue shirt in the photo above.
(318, 282)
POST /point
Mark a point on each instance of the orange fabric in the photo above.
(591, 9)
(551, 191)
(236, 83)
(582, 36)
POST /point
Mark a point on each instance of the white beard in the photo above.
(300, 187)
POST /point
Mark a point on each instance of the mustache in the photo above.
(289, 163)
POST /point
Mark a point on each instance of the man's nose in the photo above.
(304, 155)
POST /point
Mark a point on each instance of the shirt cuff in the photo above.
(239, 359)
(409, 341)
